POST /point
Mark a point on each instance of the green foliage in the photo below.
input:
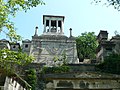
(9, 8)
(60, 69)
(64, 58)
(114, 3)
(55, 59)
(111, 64)
(59, 61)
(31, 78)
(86, 45)
(9, 59)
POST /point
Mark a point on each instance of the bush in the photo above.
(60, 69)
(111, 64)
(31, 78)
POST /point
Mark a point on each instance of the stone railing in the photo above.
(11, 84)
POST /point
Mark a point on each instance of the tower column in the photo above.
(44, 26)
(57, 25)
(49, 25)
(62, 25)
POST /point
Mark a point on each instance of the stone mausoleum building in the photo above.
(107, 46)
(52, 42)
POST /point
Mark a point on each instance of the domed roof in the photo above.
(26, 40)
(4, 40)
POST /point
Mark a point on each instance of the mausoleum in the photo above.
(52, 42)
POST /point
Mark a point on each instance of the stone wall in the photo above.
(83, 81)
(45, 47)
(82, 67)
(85, 84)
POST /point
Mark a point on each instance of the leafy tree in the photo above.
(111, 64)
(9, 8)
(116, 33)
(10, 59)
(86, 45)
(114, 3)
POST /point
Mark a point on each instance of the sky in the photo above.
(80, 15)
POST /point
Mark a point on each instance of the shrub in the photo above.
(60, 69)
(111, 64)
(31, 78)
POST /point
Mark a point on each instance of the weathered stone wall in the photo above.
(45, 47)
(83, 81)
(84, 84)
(82, 67)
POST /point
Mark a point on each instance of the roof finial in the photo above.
(70, 32)
(36, 31)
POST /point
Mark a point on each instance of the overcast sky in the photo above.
(80, 15)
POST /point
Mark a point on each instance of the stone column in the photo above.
(57, 25)
(49, 25)
(62, 26)
(36, 31)
(70, 32)
(44, 26)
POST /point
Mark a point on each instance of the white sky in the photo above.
(80, 15)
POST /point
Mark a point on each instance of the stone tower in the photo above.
(103, 35)
(53, 43)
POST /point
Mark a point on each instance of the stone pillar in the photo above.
(49, 25)
(57, 25)
(75, 84)
(62, 26)
(44, 26)
(70, 32)
(36, 31)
